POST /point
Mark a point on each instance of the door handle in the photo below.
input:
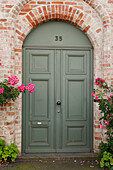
(58, 103)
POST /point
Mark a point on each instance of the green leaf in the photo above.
(101, 164)
(12, 159)
(107, 164)
(111, 161)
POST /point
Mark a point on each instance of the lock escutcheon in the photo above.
(58, 102)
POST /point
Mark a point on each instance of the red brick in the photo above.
(9, 6)
(3, 20)
(98, 138)
(39, 9)
(44, 9)
(57, 2)
(41, 2)
(18, 50)
(86, 29)
(30, 20)
(106, 65)
(99, 30)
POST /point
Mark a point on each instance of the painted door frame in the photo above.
(82, 48)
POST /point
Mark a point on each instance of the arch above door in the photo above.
(57, 33)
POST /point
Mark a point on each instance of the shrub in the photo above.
(8, 152)
(104, 95)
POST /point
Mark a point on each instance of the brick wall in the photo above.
(19, 17)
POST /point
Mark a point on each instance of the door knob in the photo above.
(58, 102)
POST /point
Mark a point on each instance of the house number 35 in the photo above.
(58, 38)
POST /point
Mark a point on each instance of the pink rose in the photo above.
(13, 80)
(30, 88)
(21, 88)
(96, 97)
(101, 126)
(93, 94)
(107, 122)
(1, 90)
(0, 63)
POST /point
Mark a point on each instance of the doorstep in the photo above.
(59, 156)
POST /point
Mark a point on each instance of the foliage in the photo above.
(106, 160)
(8, 152)
(103, 94)
(2, 145)
(8, 91)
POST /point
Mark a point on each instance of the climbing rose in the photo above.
(100, 82)
(0, 63)
(96, 97)
(93, 94)
(21, 88)
(13, 80)
(101, 126)
(30, 88)
(107, 122)
(1, 90)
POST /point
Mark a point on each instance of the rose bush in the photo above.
(103, 94)
(8, 91)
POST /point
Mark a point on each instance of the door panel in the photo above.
(40, 104)
(75, 62)
(58, 75)
(75, 104)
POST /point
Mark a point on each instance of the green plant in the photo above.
(8, 152)
(9, 92)
(104, 95)
(2, 145)
(107, 160)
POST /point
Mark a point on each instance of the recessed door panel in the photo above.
(76, 99)
(40, 100)
(75, 63)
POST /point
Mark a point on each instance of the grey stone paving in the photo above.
(52, 164)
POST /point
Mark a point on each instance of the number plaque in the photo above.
(58, 38)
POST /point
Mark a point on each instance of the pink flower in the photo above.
(101, 126)
(96, 97)
(30, 88)
(109, 99)
(1, 90)
(0, 63)
(102, 80)
(107, 122)
(13, 80)
(111, 95)
(93, 94)
(100, 85)
(21, 88)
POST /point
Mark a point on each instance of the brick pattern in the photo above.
(19, 17)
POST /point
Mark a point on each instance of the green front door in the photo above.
(57, 116)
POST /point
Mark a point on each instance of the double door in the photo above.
(57, 116)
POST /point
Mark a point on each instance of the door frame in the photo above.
(82, 48)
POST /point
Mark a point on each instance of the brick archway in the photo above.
(93, 3)
(65, 13)
(45, 13)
